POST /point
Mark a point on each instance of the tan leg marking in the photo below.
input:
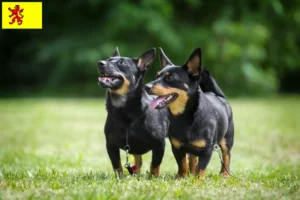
(226, 159)
(184, 168)
(202, 174)
(193, 164)
(154, 171)
(138, 163)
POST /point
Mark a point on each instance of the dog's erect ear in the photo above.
(146, 59)
(164, 60)
(116, 53)
(193, 65)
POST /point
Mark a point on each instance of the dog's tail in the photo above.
(208, 84)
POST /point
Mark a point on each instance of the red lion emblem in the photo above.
(16, 12)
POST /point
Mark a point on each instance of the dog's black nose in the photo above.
(148, 88)
(101, 63)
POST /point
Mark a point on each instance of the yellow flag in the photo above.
(22, 15)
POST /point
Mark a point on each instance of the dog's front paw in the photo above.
(182, 174)
(225, 174)
(154, 171)
(118, 172)
(202, 174)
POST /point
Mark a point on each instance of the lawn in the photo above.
(54, 149)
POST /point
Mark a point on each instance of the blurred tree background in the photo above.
(252, 47)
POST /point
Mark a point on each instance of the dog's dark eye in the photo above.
(169, 78)
(122, 62)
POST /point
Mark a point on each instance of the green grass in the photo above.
(54, 148)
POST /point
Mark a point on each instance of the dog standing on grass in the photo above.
(200, 116)
(129, 120)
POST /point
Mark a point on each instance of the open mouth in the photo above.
(162, 101)
(110, 81)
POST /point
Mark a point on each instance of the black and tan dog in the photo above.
(128, 110)
(199, 116)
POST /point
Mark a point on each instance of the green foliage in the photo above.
(55, 149)
(248, 45)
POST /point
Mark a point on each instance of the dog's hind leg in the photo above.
(114, 155)
(225, 168)
(193, 162)
(138, 163)
(157, 156)
(203, 162)
(226, 145)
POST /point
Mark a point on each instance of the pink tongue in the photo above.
(154, 103)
